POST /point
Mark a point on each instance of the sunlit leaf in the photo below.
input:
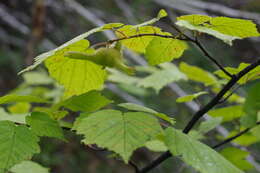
(13, 98)
(224, 28)
(29, 167)
(227, 113)
(191, 97)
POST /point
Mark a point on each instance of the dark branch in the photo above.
(234, 137)
(205, 52)
(135, 36)
(202, 111)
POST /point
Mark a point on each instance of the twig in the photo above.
(134, 166)
(202, 111)
(135, 36)
(235, 136)
(205, 52)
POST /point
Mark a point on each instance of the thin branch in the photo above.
(235, 136)
(205, 52)
(202, 111)
(134, 166)
(135, 36)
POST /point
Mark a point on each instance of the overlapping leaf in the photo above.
(17, 143)
(12, 98)
(160, 78)
(224, 28)
(77, 76)
(29, 167)
(196, 154)
(197, 74)
(88, 102)
(42, 125)
(161, 50)
(117, 131)
(227, 113)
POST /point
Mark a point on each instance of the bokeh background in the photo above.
(30, 27)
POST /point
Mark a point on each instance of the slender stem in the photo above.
(135, 36)
(202, 111)
(134, 166)
(235, 136)
(205, 52)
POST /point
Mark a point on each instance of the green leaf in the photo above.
(137, 44)
(237, 157)
(197, 154)
(208, 125)
(88, 102)
(224, 28)
(227, 113)
(52, 112)
(191, 97)
(197, 74)
(252, 75)
(13, 98)
(17, 143)
(106, 57)
(117, 131)
(251, 106)
(42, 57)
(19, 108)
(29, 167)
(37, 78)
(156, 145)
(77, 76)
(42, 125)
(119, 77)
(17, 118)
(244, 140)
(135, 107)
(168, 74)
(161, 50)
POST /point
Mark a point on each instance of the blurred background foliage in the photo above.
(30, 27)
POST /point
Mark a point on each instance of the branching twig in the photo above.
(202, 111)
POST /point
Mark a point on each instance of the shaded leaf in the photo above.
(13, 98)
(121, 133)
(29, 167)
(17, 143)
(42, 125)
(88, 102)
(197, 154)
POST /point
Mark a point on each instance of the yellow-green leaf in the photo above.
(191, 97)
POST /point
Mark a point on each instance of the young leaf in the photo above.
(106, 57)
(117, 131)
(197, 154)
(191, 97)
(42, 125)
(224, 28)
(161, 50)
(227, 113)
(88, 102)
(135, 107)
(197, 74)
(237, 157)
(77, 76)
(19, 108)
(13, 98)
(251, 106)
(29, 167)
(17, 143)
(168, 74)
